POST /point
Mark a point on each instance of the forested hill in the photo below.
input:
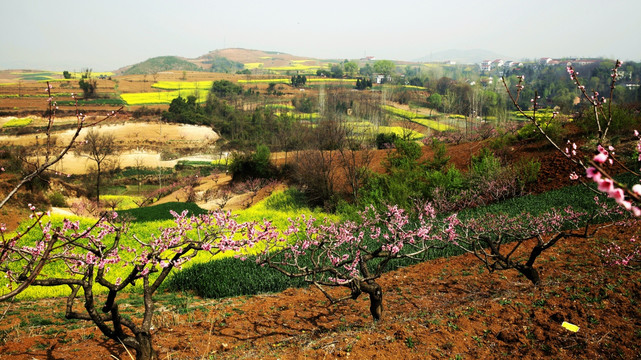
(161, 63)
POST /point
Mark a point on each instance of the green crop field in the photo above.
(81, 102)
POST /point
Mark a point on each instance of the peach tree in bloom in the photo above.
(352, 254)
(597, 166)
(12, 249)
(88, 254)
(503, 242)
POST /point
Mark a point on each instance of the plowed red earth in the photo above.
(443, 309)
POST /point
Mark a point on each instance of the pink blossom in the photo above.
(593, 173)
(637, 189)
(617, 194)
(626, 204)
(600, 158)
(605, 185)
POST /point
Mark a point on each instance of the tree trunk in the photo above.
(98, 183)
(375, 299)
(531, 273)
(145, 350)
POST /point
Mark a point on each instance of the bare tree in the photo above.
(97, 147)
(355, 159)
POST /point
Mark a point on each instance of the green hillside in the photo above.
(161, 63)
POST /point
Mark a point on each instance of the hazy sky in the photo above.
(109, 34)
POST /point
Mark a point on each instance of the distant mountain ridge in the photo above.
(229, 57)
(232, 58)
(459, 56)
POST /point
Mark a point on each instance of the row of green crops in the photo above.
(162, 97)
(14, 123)
(107, 102)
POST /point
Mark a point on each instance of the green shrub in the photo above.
(500, 144)
(440, 158)
(255, 165)
(552, 127)
(385, 140)
(625, 119)
(485, 166)
(57, 199)
(450, 179)
(527, 170)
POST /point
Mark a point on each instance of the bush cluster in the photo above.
(408, 179)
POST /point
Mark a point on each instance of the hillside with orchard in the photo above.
(253, 204)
